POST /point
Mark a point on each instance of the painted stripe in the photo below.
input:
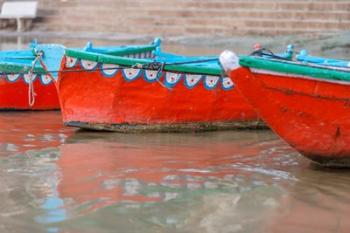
(260, 71)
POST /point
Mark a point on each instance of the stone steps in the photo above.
(193, 17)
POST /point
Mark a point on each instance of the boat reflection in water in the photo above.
(209, 182)
(135, 176)
(22, 131)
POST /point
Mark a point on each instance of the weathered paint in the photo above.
(89, 99)
(312, 115)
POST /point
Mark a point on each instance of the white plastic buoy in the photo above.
(229, 60)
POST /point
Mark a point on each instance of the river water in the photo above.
(59, 180)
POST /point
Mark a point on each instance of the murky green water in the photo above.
(58, 180)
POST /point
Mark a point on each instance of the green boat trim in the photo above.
(296, 68)
(116, 57)
(15, 68)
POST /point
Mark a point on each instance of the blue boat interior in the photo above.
(156, 55)
(52, 55)
(304, 57)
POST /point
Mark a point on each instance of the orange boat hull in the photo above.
(14, 95)
(312, 115)
(91, 100)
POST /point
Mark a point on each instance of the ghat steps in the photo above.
(195, 17)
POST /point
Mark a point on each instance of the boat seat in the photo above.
(19, 10)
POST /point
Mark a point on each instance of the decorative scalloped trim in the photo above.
(109, 70)
(151, 75)
(131, 74)
(171, 79)
(227, 83)
(192, 80)
(71, 62)
(12, 77)
(210, 82)
(88, 65)
(27, 78)
(45, 79)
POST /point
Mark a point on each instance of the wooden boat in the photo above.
(24, 83)
(145, 89)
(27, 77)
(306, 102)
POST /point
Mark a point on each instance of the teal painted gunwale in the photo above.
(15, 68)
(296, 68)
(129, 62)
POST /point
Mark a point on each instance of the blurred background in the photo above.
(320, 25)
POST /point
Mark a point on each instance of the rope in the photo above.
(159, 74)
(265, 52)
(159, 66)
(31, 91)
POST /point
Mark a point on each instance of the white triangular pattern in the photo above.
(88, 65)
(45, 79)
(71, 62)
(192, 80)
(131, 74)
(13, 77)
(109, 70)
(227, 83)
(172, 78)
(151, 75)
(211, 81)
(29, 77)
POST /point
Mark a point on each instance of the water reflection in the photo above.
(319, 202)
(245, 181)
(163, 180)
(154, 167)
(22, 131)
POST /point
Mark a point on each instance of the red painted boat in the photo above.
(28, 77)
(149, 90)
(24, 83)
(306, 104)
